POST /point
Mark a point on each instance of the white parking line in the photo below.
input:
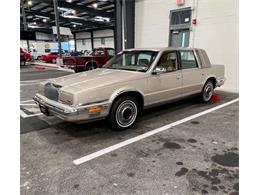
(25, 101)
(33, 81)
(29, 84)
(148, 134)
(26, 104)
(24, 115)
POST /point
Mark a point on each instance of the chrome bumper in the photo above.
(73, 113)
(220, 81)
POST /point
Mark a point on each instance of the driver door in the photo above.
(166, 84)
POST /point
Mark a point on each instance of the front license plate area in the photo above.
(44, 110)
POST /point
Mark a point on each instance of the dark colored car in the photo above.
(24, 56)
(97, 58)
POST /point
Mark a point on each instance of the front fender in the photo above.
(120, 91)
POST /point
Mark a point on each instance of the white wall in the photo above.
(216, 30)
(109, 42)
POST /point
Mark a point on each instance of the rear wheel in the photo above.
(207, 91)
(123, 113)
(91, 66)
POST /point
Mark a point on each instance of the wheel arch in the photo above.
(128, 92)
(213, 79)
(92, 62)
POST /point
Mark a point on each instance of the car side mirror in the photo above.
(159, 70)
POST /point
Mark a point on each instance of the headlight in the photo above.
(65, 97)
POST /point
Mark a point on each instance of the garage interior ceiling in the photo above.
(78, 15)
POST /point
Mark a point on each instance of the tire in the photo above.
(76, 70)
(22, 63)
(123, 113)
(207, 91)
(91, 66)
(53, 61)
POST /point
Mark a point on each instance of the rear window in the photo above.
(98, 52)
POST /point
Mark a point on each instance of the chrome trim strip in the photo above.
(96, 102)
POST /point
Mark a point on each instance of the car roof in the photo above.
(161, 49)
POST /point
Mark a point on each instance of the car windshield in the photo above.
(132, 60)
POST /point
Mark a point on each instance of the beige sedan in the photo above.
(133, 80)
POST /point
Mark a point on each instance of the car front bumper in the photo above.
(83, 113)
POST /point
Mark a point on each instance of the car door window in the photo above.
(188, 60)
(168, 62)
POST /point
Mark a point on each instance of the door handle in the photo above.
(178, 77)
(202, 74)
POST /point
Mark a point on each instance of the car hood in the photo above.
(96, 78)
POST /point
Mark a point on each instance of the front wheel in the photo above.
(207, 91)
(123, 113)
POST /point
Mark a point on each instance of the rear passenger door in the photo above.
(192, 75)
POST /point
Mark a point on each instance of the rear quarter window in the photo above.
(188, 60)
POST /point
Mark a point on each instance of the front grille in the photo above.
(51, 91)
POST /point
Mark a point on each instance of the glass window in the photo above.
(111, 52)
(132, 60)
(188, 60)
(168, 62)
(98, 52)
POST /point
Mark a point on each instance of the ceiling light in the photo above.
(38, 16)
(74, 25)
(73, 12)
(69, 1)
(29, 2)
(95, 5)
(101, 19)
(34, 23)
(44, 20)
(80, 24)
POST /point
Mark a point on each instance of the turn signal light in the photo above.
(94, 109)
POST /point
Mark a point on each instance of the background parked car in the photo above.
(50, 58)
(96, 59)
(24, 56)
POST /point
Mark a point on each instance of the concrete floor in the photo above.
(197, 157)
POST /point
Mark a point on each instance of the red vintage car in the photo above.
(24, 56)
(50, 58)
(97, 58)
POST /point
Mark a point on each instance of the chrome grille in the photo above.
(51, 91)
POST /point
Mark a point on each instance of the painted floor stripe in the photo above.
(27, 104)
(25, 101)
(148, 134)
(24, 115)
(32, 81)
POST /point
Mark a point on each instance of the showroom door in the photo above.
(180, 38)
(180, 23)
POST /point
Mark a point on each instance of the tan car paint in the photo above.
(106, 84)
